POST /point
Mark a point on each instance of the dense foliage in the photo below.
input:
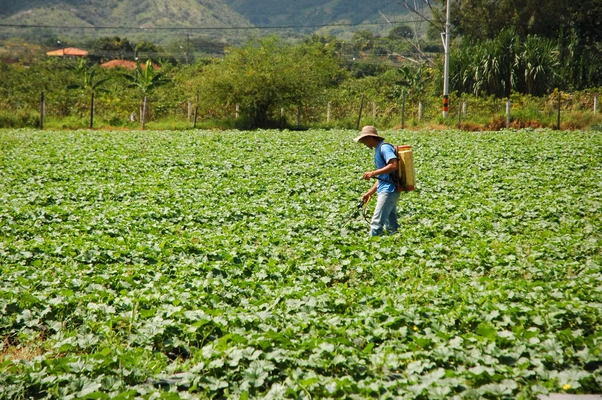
(484, 19)
(263, 77)
(224, 264)
(267, 76)
(124, 13)
(533, 65)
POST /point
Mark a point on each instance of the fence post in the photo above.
(403, 110)
(298, 116)
(196, 111)
(42, 109)
(189, 110)
(420, 111)
(460, 106)
(508, 105)
(144, 112)
(92, 112)
(328, 113)
(595, 104)
(237, 111)
(359, 117)
(558, 126)
(464, 108)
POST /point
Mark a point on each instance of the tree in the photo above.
(363, 40)
(89, 85)
(401, 32)
(265, 75)
(145, 79)
(113, 47)
(479, 20)
(148, 47)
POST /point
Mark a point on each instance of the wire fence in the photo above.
(21, 105)
(562, 110)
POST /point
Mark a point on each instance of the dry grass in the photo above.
(19, 352)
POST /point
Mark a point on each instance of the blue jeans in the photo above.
(385, 214)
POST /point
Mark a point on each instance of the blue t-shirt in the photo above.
(382, 156)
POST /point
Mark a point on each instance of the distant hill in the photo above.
(316, 12)
(131, 13)
(199, 13)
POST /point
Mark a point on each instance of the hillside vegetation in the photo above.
(308, 12)
(132, 13)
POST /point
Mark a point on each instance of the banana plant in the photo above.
(89, 85)
(145, 79)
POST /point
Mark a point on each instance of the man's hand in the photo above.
(368, 175)
(366, 197)
(390, 167)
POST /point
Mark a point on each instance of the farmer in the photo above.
(385, 213)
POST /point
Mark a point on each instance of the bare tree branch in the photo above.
(415, 11)
(386, 19)
(411, 59)
(414, 45)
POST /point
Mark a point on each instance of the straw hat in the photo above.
(368, 131)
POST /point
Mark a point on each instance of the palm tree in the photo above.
(145, 79)
(89, 85)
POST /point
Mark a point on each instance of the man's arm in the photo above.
(387, 169)
(366, 196)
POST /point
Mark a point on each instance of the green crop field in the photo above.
(204, 264)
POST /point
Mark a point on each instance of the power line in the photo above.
(179, 28)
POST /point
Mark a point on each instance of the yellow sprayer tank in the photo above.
(406, 166)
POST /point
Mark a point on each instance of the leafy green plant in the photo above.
(145, 79)
(176, 264)
(267, 75)
(89, 85)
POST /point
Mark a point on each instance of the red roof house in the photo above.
(68, 52)
(125, 64)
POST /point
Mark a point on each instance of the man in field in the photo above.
(385, 160)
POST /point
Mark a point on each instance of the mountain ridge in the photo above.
(125, 13)
(303, 16)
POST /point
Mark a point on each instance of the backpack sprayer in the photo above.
(406, 171)
(405, 178)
